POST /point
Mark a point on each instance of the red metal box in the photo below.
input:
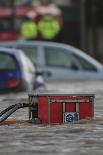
(63, 108)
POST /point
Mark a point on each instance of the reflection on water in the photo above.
(81, 138)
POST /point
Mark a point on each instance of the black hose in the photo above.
(8, 111)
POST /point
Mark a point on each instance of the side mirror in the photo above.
(43, 73)
(38, 73)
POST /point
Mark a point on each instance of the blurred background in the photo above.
(80, 21)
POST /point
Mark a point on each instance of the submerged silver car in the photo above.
(59, 61)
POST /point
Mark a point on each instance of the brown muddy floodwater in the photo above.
(68, 139)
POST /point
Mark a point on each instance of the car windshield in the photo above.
(7, 61)
(85, 64)
(29, 67)
(31, 52)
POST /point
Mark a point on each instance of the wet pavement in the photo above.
(79, 138)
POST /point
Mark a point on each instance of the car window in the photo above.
(58, 57)
(7, 61)
(31, 52)
(85, 65)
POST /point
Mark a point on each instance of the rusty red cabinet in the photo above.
(63, 108)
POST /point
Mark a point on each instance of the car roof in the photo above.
(9, 50)
(53, 44)
(34, 43)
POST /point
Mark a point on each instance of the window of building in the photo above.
(16, 2)
(5, 25)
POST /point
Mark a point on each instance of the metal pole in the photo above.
(13, 18)
(95, 30)
(83, 32)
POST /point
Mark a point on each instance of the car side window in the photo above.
(57, 57)
(31, 52)
(7, 61)
(85, 65)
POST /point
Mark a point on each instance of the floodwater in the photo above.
(73, 139)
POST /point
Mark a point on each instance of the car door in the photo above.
(63, 64)
(60, 65)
